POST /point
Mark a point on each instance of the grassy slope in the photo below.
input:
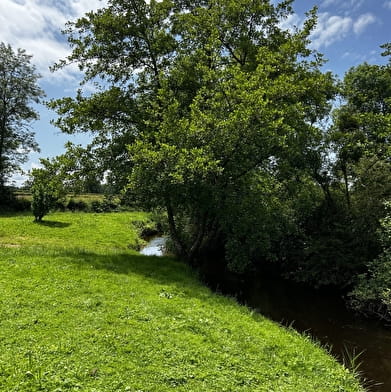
(80, 311)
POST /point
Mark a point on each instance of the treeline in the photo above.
(213, 113)
(23, 202)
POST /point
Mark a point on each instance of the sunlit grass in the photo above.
(81, 311)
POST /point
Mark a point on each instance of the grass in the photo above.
(81, 311)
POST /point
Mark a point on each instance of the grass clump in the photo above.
(81, 311)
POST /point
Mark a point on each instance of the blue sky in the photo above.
(348, 33)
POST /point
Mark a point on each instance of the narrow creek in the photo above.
(317, 313)
(155, 247)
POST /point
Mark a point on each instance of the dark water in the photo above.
(320, 314)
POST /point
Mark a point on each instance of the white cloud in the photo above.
(35, 165)
(347, 6)
(362, 22)
(354, 4)
(387, 4)
(292, 21)
(35, 25)
(327, 3)
(333, 28)
(330, 28)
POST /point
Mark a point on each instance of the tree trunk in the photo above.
(346, 182)
(178, 243)
(199, 238)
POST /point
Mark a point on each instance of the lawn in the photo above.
(80, 310)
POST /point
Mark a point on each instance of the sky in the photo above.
(348, 33)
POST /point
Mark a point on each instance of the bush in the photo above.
(88, 204)
(146, 228)
(108, 204)
(372, 294)
(77, 205)
(42, 202)
(96, 206)
(21, 204)
(47, 188)
(16, 204)
(10, 201)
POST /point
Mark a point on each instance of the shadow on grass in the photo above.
(53, 224)
(162, 270)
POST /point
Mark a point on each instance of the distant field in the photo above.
(80, 310)
(87, 197)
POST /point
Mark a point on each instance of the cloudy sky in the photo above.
(349, 32)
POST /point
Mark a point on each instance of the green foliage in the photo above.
(11, 201)
(338, 236)
(21, 204)
(43, 200)
(362, 125)
(77, 205)
(47, 188)
(332, 248)
(211, 112)
(372, 294)
(92, 202)
(98, 203)
(81, 311)
(18, 92)
(77, 170)
(202, 106)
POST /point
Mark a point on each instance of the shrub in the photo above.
(47, 188)
(21, 204)
(43, 200)
(372, 294)
(96, 206)
(77, 205)
(108, 204)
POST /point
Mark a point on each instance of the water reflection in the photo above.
(155, 247)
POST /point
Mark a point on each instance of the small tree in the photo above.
(47, 188)
(18, 91)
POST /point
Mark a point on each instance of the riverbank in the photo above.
(82, 310)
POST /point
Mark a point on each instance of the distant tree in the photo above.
(80, 172)
(362, 125)
(18, 92)
(341, 236)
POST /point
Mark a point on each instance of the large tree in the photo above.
(210, 109)
(18, 92)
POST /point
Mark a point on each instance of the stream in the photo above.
(155, 247)
(320, 314)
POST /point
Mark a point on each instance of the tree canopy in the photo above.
(202, 108)
(19, 90)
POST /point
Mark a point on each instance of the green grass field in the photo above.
(81, 311)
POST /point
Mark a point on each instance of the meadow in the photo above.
(82, 310)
